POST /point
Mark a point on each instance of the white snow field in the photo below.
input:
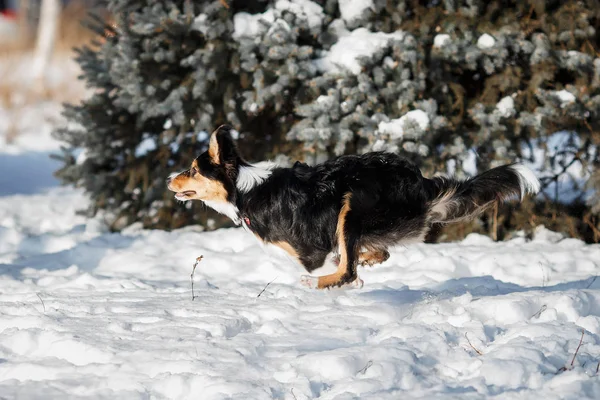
(89, 314)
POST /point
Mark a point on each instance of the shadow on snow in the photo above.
(477, 286)
(27, 173)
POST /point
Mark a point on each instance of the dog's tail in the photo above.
(454, 200)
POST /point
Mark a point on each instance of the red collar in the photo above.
(247, 220)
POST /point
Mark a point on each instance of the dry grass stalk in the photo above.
(198, 259)
(473, 347)
(265, 288)
(571, 366)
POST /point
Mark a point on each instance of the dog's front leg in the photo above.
(348, 239)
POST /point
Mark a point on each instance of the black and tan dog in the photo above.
(355, 205)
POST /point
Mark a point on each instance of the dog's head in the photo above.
(212, 176)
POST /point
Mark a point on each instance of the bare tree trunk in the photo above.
(46, 38)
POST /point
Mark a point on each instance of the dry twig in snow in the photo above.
(40, 297)
(262, 291)
(591, 283)
(198, 259)
(473, 347)
(364, 370)
(578, 346)
(574, 355)
(542, 309)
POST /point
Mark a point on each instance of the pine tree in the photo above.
(162, 81)
(465, 86)
(458, 85)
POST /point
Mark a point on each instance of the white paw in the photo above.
(310, 282)
(357, 283)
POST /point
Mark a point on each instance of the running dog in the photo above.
(355, 205)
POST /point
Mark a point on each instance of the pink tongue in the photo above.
(183, 195)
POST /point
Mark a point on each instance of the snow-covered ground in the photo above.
(85, 313)
(89, 314)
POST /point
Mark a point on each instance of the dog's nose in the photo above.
(171, 177)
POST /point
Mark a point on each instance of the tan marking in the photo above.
(285, 246)
(213, 148)
(372, 257)
(206, 189)
(288, 249)
(335, 278)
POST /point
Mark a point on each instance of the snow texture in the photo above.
(440, 40)
(396, 127)
(114, 317)
(85, 313)
(147, 145)
(303, 8)
(346, 53)
(506, 106)
(486, 41)
(34, 124)
(354, 9)
(565, 97)
(247, 25)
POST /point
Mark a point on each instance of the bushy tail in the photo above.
(453, 200)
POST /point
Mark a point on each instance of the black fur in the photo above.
(300, 205)
(390, 201)
(474, 195)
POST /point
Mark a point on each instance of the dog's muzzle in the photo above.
(170, 179)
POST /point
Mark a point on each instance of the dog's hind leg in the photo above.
(347, 239)
(373, 256)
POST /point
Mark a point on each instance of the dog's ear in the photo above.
(221, 147)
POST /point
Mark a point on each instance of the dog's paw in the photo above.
(366, 263)
(310, 282)
(357, 283)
